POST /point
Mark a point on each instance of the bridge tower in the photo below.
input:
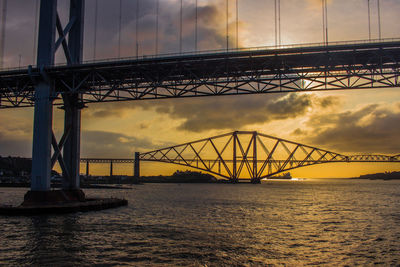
(43, 136)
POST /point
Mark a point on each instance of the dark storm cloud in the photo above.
(371, 129)
(108, 144)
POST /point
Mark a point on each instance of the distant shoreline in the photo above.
(93, 186)
(380, 176)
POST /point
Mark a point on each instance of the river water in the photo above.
(311, 222)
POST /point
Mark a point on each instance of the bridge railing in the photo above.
(220, 51)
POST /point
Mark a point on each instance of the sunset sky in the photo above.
(361, 121)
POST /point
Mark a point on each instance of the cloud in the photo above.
(370, 129)
(21, 17)
(16, 132)
(209, 28)
(219, 113)
(15, 145)
(109, 144)
(200, 115)
(114, 109)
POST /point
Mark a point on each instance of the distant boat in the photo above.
(283, 176)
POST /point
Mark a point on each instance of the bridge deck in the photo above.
(373, 65)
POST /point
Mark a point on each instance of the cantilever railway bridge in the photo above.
(243, 155)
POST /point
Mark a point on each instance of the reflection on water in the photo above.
(321, 222)
(53, 237)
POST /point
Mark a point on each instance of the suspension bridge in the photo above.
(231, 71)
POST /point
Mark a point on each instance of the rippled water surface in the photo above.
(313, 222)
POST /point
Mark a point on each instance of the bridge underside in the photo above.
(297, 69)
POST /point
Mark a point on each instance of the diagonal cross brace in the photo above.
(62, 37)
(57, 151)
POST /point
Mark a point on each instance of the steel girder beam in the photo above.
(251, 155)
(336, 67)
(105, 160)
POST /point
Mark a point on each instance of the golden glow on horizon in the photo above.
(161, 128)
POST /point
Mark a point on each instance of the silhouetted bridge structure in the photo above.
(243, 155)
(301, 68)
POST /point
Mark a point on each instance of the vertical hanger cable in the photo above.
(237, 24)
(157, 15)
(195, 26)
(279, 22)
(96, 10)
(379, 20)
(227, 25)
(369, 20)
(35, 32)
(326, 21)
(119, 28)
(3, 32)
(180, 27)
(137, 28)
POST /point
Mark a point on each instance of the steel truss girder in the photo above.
(338, 67)
(248, 155)
(105, 160)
